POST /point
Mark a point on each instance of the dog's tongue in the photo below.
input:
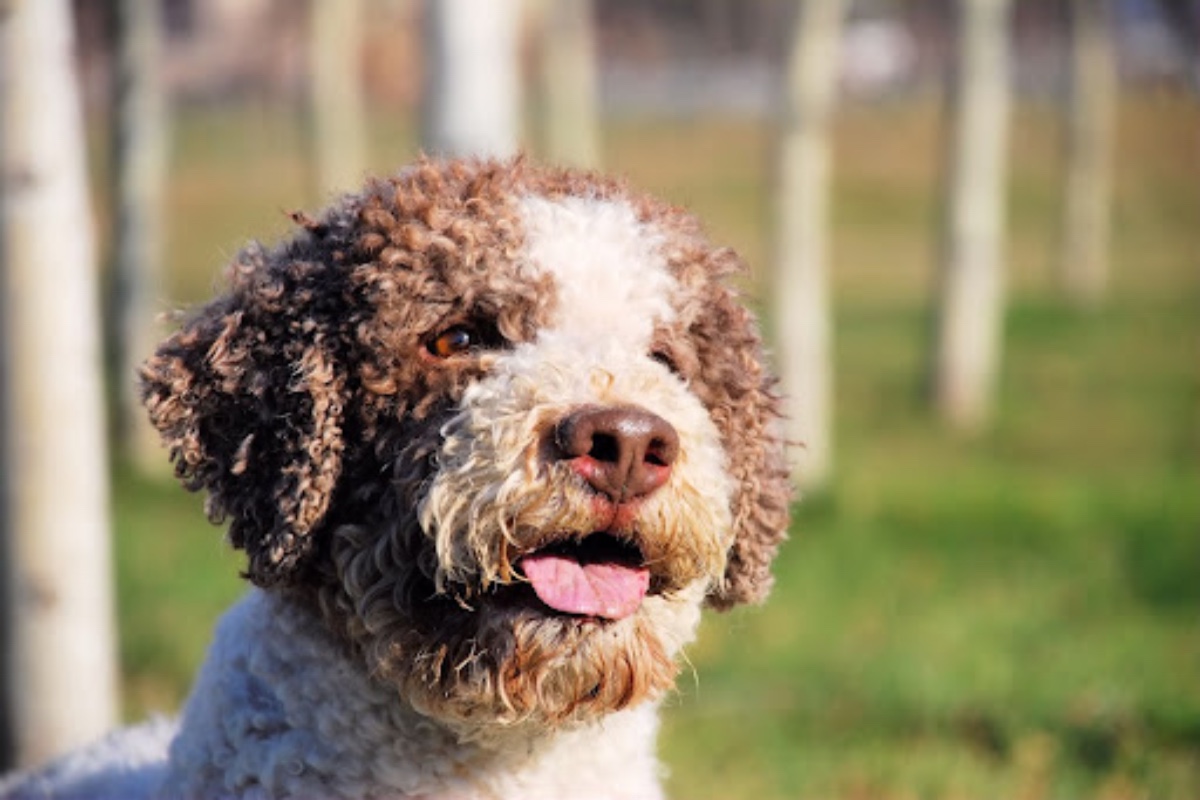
(600, 589)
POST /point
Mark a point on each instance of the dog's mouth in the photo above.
(600, 575)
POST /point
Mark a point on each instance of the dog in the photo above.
(491, 436)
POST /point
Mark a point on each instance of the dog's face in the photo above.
(507, 428)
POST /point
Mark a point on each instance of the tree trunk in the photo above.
(1085, 266)
(472, 84)
(61, 665)
(970, 307)
(336, 102)
(8, 665)
(139, 165)
(567, 82)
(801, 296)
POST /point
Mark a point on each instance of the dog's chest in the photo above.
(278, 712)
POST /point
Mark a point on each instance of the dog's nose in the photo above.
(623, 452)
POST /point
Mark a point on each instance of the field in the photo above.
(1011, 615)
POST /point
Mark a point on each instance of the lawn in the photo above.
(1012, 615)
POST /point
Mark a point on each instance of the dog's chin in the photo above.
(578, 624)
(533, 651)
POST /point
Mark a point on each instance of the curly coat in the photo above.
(385, 484)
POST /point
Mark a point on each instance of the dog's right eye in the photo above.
(664, 358)
(452, 342)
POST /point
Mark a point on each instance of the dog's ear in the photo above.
(742, 398)
(249, 397)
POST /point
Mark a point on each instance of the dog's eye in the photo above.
(452, 342)
(664, 358)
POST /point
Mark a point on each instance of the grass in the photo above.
(1009, 615)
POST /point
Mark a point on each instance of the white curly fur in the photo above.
(298, 719)
(281, 709)
(278, 711)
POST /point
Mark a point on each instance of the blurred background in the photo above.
(973, 230)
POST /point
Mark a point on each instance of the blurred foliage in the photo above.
(1011, 616)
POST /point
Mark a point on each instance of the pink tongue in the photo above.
(608, 590)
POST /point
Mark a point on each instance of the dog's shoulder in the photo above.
(280, 710)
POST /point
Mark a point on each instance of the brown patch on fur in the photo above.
(745, 406)
(435, 246)
(316, 476)
(280, 396)
(252, 379)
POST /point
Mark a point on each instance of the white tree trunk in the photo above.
(970, 308)
(61, 664)
(801, 294)
(1085, 266)
(472, 95)
(140, 166)
(336, 103)
(567, 82)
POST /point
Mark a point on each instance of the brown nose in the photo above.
(623, 452)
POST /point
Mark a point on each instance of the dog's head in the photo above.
(508, 428)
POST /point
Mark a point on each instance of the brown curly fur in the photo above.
(304, 401)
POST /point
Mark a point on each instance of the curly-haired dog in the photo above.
(490, 436)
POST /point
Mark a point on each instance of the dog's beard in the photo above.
(502, 659)
(472, 645)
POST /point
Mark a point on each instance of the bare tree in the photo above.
(60, 662)
(472, 85)
(967, 342)
(570, 131)
(139, 167)
(336, 100)
(801, 292)
(1084, 264)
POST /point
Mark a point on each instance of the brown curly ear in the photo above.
(248, 396)
(742, 400)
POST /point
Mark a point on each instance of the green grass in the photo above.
(1015, 614)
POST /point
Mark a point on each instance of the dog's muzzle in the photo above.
(624, 454)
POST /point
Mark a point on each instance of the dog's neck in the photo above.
(279, 710)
